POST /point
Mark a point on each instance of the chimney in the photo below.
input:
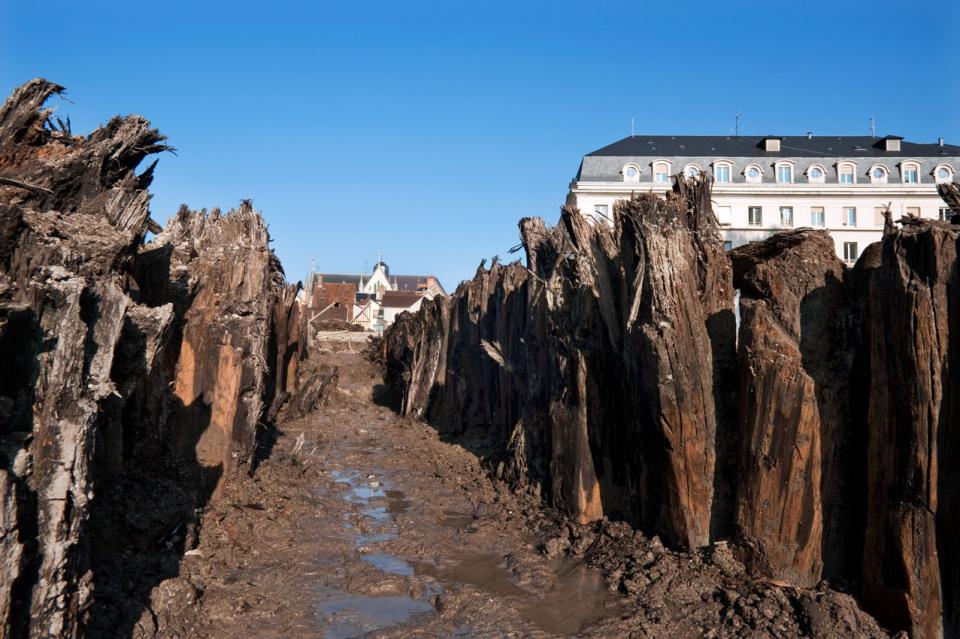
(809, 135)
(940, 141)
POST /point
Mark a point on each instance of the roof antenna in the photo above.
(736, 120)
(631, 128)
(873, 126)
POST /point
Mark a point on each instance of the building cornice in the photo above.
(745, 189)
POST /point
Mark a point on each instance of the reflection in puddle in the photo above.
(389, 564)
(384, 504)
(482, 570)
(356, 615)
(580, 597)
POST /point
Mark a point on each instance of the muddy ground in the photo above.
(360, 523)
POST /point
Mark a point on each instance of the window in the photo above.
(691, 170)
(786, 216)
(849, 216)
(601, 211)
(910, 172)
(817, 218)
(850, 253)
(912, 211)
(944, 214)
(727, 246)
(721, 172)
(631, 173)
(816, 174)
(755, 216)
(878, 175)
(846, 173)
(878, 218)
(724, 215)
(661, 172)
(784, 173)
(753, 174)
(943, 174)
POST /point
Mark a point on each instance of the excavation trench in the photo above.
(364, 523)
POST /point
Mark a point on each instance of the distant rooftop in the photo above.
(399, 299)
(753, 146)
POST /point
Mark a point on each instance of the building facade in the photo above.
(763, 185)
(371, 300)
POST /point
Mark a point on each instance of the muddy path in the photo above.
(360, 523)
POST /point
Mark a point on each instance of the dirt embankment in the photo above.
(606, 378)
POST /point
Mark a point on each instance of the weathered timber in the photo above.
(604, 374)
(591, 371)
(118, 359)
(911, 551)
(795, 495)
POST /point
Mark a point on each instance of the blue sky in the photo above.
(427, 129)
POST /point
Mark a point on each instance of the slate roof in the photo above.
(753, 146)
(399, 299)
(404, 283)
(409, 283)
(341, 278)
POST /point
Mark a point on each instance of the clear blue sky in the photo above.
(427, 129)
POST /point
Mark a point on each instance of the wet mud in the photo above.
(364, 524)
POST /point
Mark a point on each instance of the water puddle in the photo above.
(383, 504)
(579, 597)
(575, 598)
(357, 615)
(397, 502)
(389, 564)
(485, 571)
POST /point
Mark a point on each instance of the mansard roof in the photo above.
(720, 146)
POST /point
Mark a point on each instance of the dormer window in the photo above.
(753, 174)
(722, 172)
(784, 173)
(631, 173)
(878, 174)
(816, 174)
(910, 172)
(891, 143)
(661, 172)
(691, 170)
(943, 174)
(771, 144)
(846, 173)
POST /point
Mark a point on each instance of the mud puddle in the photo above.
(351, 616)
(576, 596)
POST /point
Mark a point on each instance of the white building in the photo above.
(767, 184)
(370, 300)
